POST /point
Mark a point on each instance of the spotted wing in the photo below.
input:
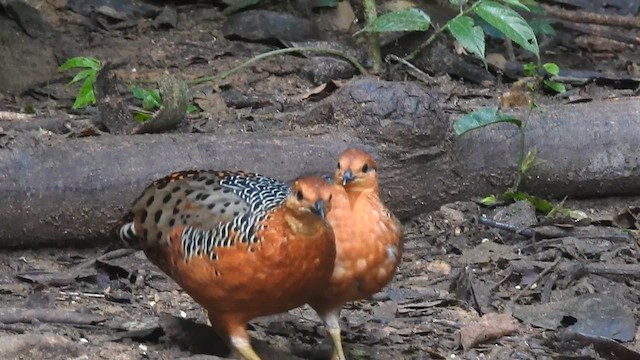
(212, 208)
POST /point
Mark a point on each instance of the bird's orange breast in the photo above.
(273, 275)
(368, 246)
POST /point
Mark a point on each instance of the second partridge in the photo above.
(368, 240)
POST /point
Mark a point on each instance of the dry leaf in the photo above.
(490, 327)
(319, 92)
(440, 267)
(515, 98)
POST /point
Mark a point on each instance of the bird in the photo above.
(369, 240)
(242, 245)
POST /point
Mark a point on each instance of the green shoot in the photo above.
(543, 73)
(90, 68)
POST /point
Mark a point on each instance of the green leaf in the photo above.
(552, 69)
(555, 86)
(82, 75)
(80, 62)
(542, 205)
(516, 4)
(530, 69)
(85, 95)
(403, 20)
(533, 6)
(141, 117)
(239, 5)
(151, 100)
(576, 215)
(358, 353)
(481, 118)
(29, 109)
(193, 109)
(490, 200)
(542, 26)
(325, 3)
(470, 37)
(528, 161)
(510, 23)
(138, 92)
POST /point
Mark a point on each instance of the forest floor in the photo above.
(463, 291)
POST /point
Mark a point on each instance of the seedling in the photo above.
(90, 68)
(151, 102)
(501, 16)
(543, 73)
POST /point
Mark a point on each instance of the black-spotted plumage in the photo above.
(215, 209)
(241, 245)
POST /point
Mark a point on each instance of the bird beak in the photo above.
(347, 176)
(318, 208)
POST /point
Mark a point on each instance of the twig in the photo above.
(17, 315)
(413, 70)
(439, 30)
(535, 281)
(79, 294)
(447, 323)
(503, 280)
(14, 116)
(226, 74)
(526, 232)
(592, 18)
(59, 125)
(547, 288)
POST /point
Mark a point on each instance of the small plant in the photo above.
(193, 109)
(150, 99)
(492, 115)
(543, 73)
(90, 68)
(500, 15)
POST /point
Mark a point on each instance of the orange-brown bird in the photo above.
(368, 240)
(241, 245)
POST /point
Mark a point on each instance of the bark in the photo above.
(68, 191)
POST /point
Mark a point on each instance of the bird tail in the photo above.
(125, 231)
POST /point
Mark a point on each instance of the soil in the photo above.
(125, 308)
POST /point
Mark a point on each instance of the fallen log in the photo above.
(66, 191)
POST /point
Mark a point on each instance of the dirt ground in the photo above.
(455, 277)
(452, 272)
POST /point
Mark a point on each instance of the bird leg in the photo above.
(332, 319)
(237, 337)
(241, 344)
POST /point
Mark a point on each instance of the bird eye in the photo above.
(365, 168)
(299, 195)
(338, 165)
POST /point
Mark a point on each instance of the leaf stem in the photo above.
(226, 74)
(431, 38)
(371, 14)
(521, 173)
